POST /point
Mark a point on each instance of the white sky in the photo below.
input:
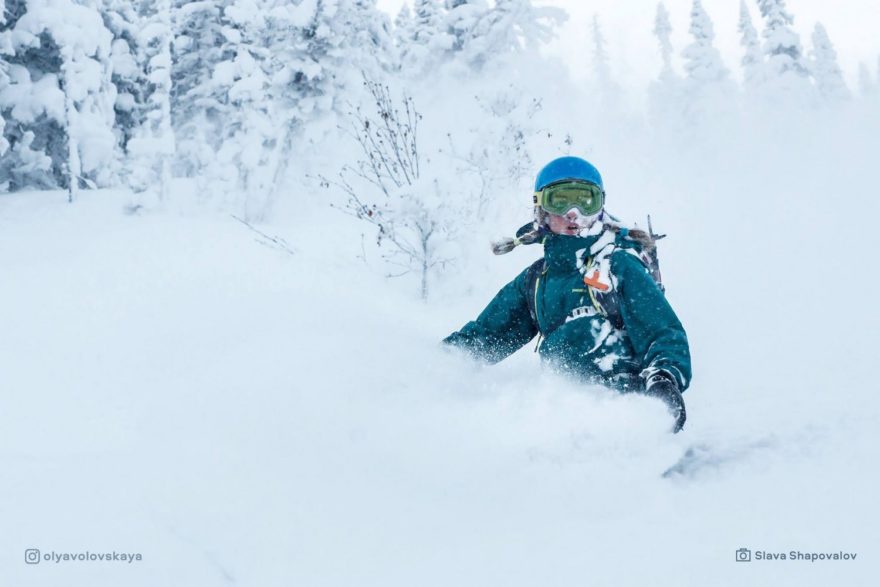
(852, 25)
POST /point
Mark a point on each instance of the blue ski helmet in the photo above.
(573, 168)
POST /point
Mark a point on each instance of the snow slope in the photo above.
(243, 416)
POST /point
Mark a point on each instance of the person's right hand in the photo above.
(662, 385)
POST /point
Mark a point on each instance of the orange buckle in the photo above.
(593, 281)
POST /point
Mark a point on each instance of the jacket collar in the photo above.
(562, 252)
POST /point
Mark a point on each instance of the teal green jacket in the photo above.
(576, 334)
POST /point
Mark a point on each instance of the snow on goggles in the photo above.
(561, 197)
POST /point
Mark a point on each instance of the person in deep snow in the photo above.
(594, 299)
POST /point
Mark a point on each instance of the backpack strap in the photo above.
(607, 302)
(533, 273)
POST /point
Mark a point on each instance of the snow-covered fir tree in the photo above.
(702, 61)
(877, 69)
(663, 32)
(508, 28)
(198, 108)
(280, 70)
(867, 85)
(403, 28)
(124, 21)
(427, 43)
(4, 144)
(342, 42)
(707, 86)
(462, 17)
(152, 144)
(753, 58)
(59, 93)
(90, 96)
(371, 40)
(601, 65)
(787, 76)
(665, 92)
(241, 84)
(826, 71)
(606, 91)
(298, 49)
(31, 105)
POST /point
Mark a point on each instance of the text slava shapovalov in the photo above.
(797, 555)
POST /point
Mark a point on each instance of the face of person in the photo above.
(570, 223)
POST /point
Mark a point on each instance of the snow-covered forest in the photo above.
(242, 101)
(232, 233)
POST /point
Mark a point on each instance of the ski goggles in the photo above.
(559, 198)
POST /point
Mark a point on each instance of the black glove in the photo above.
(662, 385)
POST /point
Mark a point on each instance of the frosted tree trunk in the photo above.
(826, 71)
(787, 76)
(152, 144)
(663, 32)
(601, 68)
(73, 163)
(866, 83)
(753, 59)
(163, 80)
(426, 232)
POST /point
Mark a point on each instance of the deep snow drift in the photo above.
(240, 415)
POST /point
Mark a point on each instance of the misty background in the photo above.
(233, 233)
